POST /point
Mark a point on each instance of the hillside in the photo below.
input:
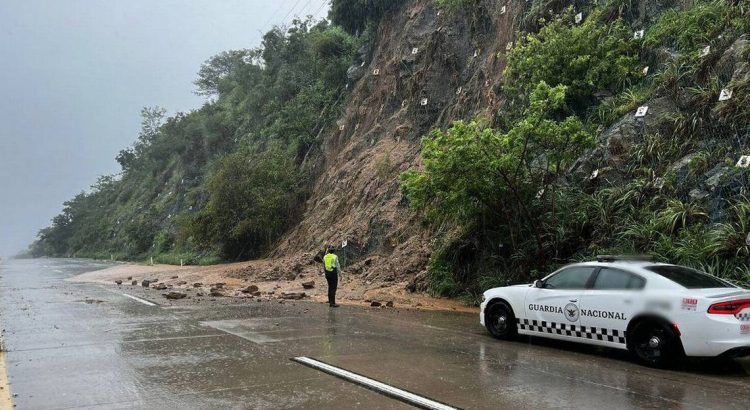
(318, 138)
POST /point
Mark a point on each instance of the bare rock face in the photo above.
(309, 284)
(605, 165)
(175, 295)
(293, 295)
(731, 61)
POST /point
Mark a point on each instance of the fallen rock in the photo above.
(216, 292)
(293, 295)
(145, 283)
(197, 285)
(180, 283)
(175, 295)
(119, 282)
(389, 304)
(308, 285)
(252, 289)
(174, 277)
(130, 278)
(160, 286)
(375, 303)
(134, 283)
(256, 294)
(199, 294)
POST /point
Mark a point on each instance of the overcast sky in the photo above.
(74, 75)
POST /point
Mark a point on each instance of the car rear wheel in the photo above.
(654, 344)
(500, 321)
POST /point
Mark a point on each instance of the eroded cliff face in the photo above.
(427, 68)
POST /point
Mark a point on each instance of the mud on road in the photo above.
(88, 345)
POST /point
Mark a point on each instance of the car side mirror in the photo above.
(539, 284)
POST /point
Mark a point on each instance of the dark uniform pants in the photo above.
(333, 281)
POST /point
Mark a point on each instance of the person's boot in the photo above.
(333, 305)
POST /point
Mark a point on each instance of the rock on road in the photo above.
(77, 345)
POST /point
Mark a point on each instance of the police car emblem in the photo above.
(571, 312)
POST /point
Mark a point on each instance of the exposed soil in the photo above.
(272, 282)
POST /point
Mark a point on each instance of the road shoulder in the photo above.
(5, 399)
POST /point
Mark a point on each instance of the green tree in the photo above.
(474, 174)
(586, 58)
(354, 15)
(251, 200)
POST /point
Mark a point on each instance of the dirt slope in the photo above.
(427, 68)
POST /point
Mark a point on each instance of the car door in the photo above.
(552, 309)
(610, 303)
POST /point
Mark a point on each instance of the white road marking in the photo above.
(145, 302)
(380, 387)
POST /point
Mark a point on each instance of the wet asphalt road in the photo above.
(76, 345)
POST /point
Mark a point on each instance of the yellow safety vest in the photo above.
(330, 261)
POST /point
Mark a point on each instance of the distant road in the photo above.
(77, 345)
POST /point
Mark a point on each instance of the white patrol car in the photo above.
(657, 311)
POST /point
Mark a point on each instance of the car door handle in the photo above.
(574, 300)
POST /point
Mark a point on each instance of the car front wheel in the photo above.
(655, 344)
(500, 321)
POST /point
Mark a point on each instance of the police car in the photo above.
(657, 311)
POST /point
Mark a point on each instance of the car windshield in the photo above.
(689, 278)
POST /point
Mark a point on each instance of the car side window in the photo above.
(611, 279)
(570, 278)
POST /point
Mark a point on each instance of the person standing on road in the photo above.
(332, 268)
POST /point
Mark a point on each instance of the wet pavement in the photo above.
(73, 345)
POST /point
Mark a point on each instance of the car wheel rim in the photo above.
(651, 345)
(500, 322)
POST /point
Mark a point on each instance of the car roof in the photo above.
(625, 264)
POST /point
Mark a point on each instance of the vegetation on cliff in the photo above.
(223, 181)
(526, 199)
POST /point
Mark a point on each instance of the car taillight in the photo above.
(729, 308)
